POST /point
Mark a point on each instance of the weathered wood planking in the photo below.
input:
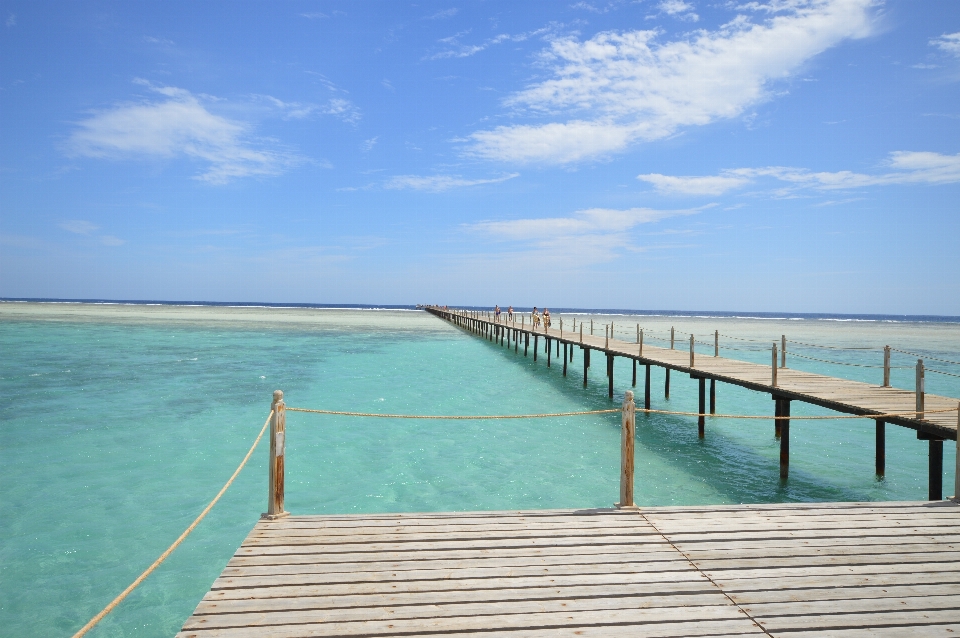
(852, 569)
(842, 395)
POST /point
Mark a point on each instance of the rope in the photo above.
(949, 374)
(813, 345)
(176, 543)
(921, 356)
(460, 417)
(612, 410)
(841, 363)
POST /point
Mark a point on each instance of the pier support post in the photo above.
(627, 436)
(881, 448)
(956, 474)
(646, 388)
(526, 342)
(536, 338)
(666, 384)
(564, 359)
(549, 349)
(776, 421)
(634, 384)
(278, 423)
(936, 470)
(701, 420)
(784, 438)
(586, 364)
(713, 396)
(610, 375)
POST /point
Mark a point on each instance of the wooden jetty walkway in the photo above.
(838, 569)
(935, 418)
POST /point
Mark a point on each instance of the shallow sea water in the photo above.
(121, 423)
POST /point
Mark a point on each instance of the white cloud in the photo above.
(367, 145)
(948, 42)
(314, 15)
(466, 50)
(588, 236)
(438, 183)
(446, 13)
(621, 88)
(709, 185)
(582, 222)
(339, 107)
(904, 167)
(678, 8)
(11, 20)
(84, 227)
(177, 126)
(78, 226)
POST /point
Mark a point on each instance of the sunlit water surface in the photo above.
(119, 424)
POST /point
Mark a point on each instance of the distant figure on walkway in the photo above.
(496, 312)
(546, 319)
(510, 313)
(535, 317)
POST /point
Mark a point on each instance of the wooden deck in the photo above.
(839, 569)
(842, 395)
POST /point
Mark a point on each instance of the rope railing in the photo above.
(472, 417)
(924, 356)
(845, 363)
(126, 592)
(652, 334)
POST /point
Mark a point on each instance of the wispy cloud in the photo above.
(456, 49)
(178, 124)
(591, 235)
(618, 89)
(902, 167)
(437, 183)
(11, 20)
(367, 145)
(339, 107)
(314, 15)
(679, 9)
(86, 228)
(446, 13)
(948, 42)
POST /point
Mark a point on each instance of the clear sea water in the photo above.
(120, 423)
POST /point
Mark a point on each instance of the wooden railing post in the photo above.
(671, 337)
(956, 475)
(783, 351)
(920, 389)
(691, 351)
(773, 366)
(627, 435)
(716, 343)
(640, 342)
(277, 448)
(886, 366)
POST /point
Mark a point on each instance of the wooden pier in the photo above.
(838, 569)
(935, 418)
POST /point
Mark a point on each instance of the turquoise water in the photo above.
(118, 427)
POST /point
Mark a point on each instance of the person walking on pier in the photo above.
(496, 312)
(535, 318)
(510, 313)
(546, 319)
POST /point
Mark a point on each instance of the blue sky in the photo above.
(777, 155)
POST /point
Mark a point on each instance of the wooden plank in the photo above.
(256, 601)
(415, 562)
(881, 619)
(842, 593)
(567, 541)
(294, 628)
(447, 554)
(674, 563)
(454, 583)
(225, 616)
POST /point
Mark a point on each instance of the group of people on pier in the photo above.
(535, 316)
